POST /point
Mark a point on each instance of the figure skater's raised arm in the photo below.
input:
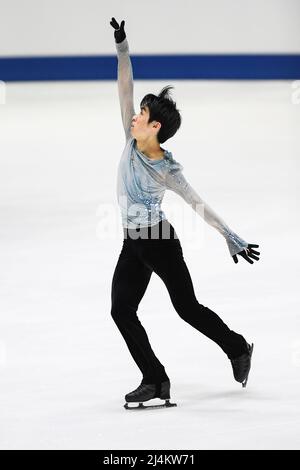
(125, 76)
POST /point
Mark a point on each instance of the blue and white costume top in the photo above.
(142, 182)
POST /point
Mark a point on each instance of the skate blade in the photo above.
(244, 383)
(141, 406)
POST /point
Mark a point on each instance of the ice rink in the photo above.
(64, 367)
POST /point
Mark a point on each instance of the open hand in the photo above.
(119, 30)
(248, 253)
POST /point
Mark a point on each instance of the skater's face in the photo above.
(141, 128)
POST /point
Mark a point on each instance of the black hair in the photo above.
(163, 109)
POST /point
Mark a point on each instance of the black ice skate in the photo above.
(146, 392)
(241, 366)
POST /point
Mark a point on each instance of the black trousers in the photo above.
(158, 249)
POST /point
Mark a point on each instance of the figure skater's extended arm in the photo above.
(125, 76)
(177, 183)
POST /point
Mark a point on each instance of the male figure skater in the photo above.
(150, 243)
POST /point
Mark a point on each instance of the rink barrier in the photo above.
(156, 67)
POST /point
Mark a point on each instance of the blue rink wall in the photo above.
(174, 66)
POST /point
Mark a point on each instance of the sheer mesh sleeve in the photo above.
(176, 182)
(125, 85)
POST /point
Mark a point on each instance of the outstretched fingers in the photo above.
(244, 255)
(251, 255)
(248, 253)
(114, 23)
(250, 245)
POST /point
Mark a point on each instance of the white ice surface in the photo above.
(64, 367)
